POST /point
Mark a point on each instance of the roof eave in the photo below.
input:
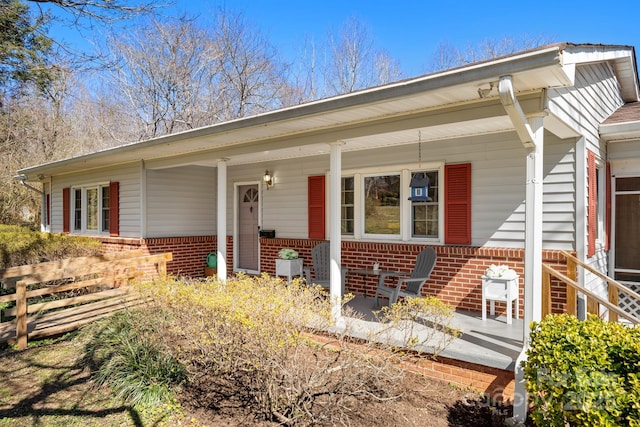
(548, 59)
(620, 131)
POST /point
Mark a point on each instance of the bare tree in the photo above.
(354, 63)
(251, 76)
(105, 11)
(306, 73)
(178, 75)
(164, 76)
(449, 56)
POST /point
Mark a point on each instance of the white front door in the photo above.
(247, 239)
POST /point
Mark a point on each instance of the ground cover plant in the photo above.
(242, 352)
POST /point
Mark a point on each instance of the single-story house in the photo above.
(526, 155)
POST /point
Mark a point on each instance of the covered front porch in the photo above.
(492, 342)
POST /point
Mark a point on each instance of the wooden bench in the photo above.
(103, 280)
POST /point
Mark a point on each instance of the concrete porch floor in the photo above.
(491, 343)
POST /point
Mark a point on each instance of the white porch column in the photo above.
(532, 256)
(222, 220)
(335, 236)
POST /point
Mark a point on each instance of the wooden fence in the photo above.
(100, 281)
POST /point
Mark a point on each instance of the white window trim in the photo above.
(83, 209)
(404, 171)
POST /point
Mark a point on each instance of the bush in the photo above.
(249, 342)
(127, 354)
(583, 373)
(21, 246)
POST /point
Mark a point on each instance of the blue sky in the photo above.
(411, 30)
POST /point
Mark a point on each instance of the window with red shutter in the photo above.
(457, 204)
(316, 202)
(592, 222)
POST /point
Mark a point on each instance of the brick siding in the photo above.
(456, 278)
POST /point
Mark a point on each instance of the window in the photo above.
(347, 209)
(425, 215)
(105, 208)
(77, 209)
(377, 206)
(382, 204)
(91, 209)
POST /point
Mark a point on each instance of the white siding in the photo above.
(595, 96)
(498, 186)
(284, 206)
(181, 202)
(129, 177)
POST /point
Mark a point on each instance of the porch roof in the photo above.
(452, 103)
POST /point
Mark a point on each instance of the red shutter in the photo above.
(457, 204)
(591, 207)
(66, 214)
(114, 208)
(47, 209)
(316, 199)
(607, 219)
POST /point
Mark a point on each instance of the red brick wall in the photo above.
(189, 253)
(456, 278)
(494, 382)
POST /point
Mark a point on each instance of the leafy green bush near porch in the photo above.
(21, 246)
(127, 354)
(252, 343)
(583, 373)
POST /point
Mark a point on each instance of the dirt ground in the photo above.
(49, 386)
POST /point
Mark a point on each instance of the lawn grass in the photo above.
(49, 385)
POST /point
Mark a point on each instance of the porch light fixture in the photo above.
(268, 179)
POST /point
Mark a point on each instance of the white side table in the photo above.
(289, 267)
(498, 289)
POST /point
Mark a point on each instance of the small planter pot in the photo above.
(289, 267)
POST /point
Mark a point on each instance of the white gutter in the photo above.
(530, 131)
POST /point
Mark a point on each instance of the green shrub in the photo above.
(583, 373)
(21, 246)
(128, 354)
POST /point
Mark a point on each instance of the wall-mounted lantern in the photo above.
(268, 179)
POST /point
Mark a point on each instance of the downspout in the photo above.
(530, 132)
(22, 178)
